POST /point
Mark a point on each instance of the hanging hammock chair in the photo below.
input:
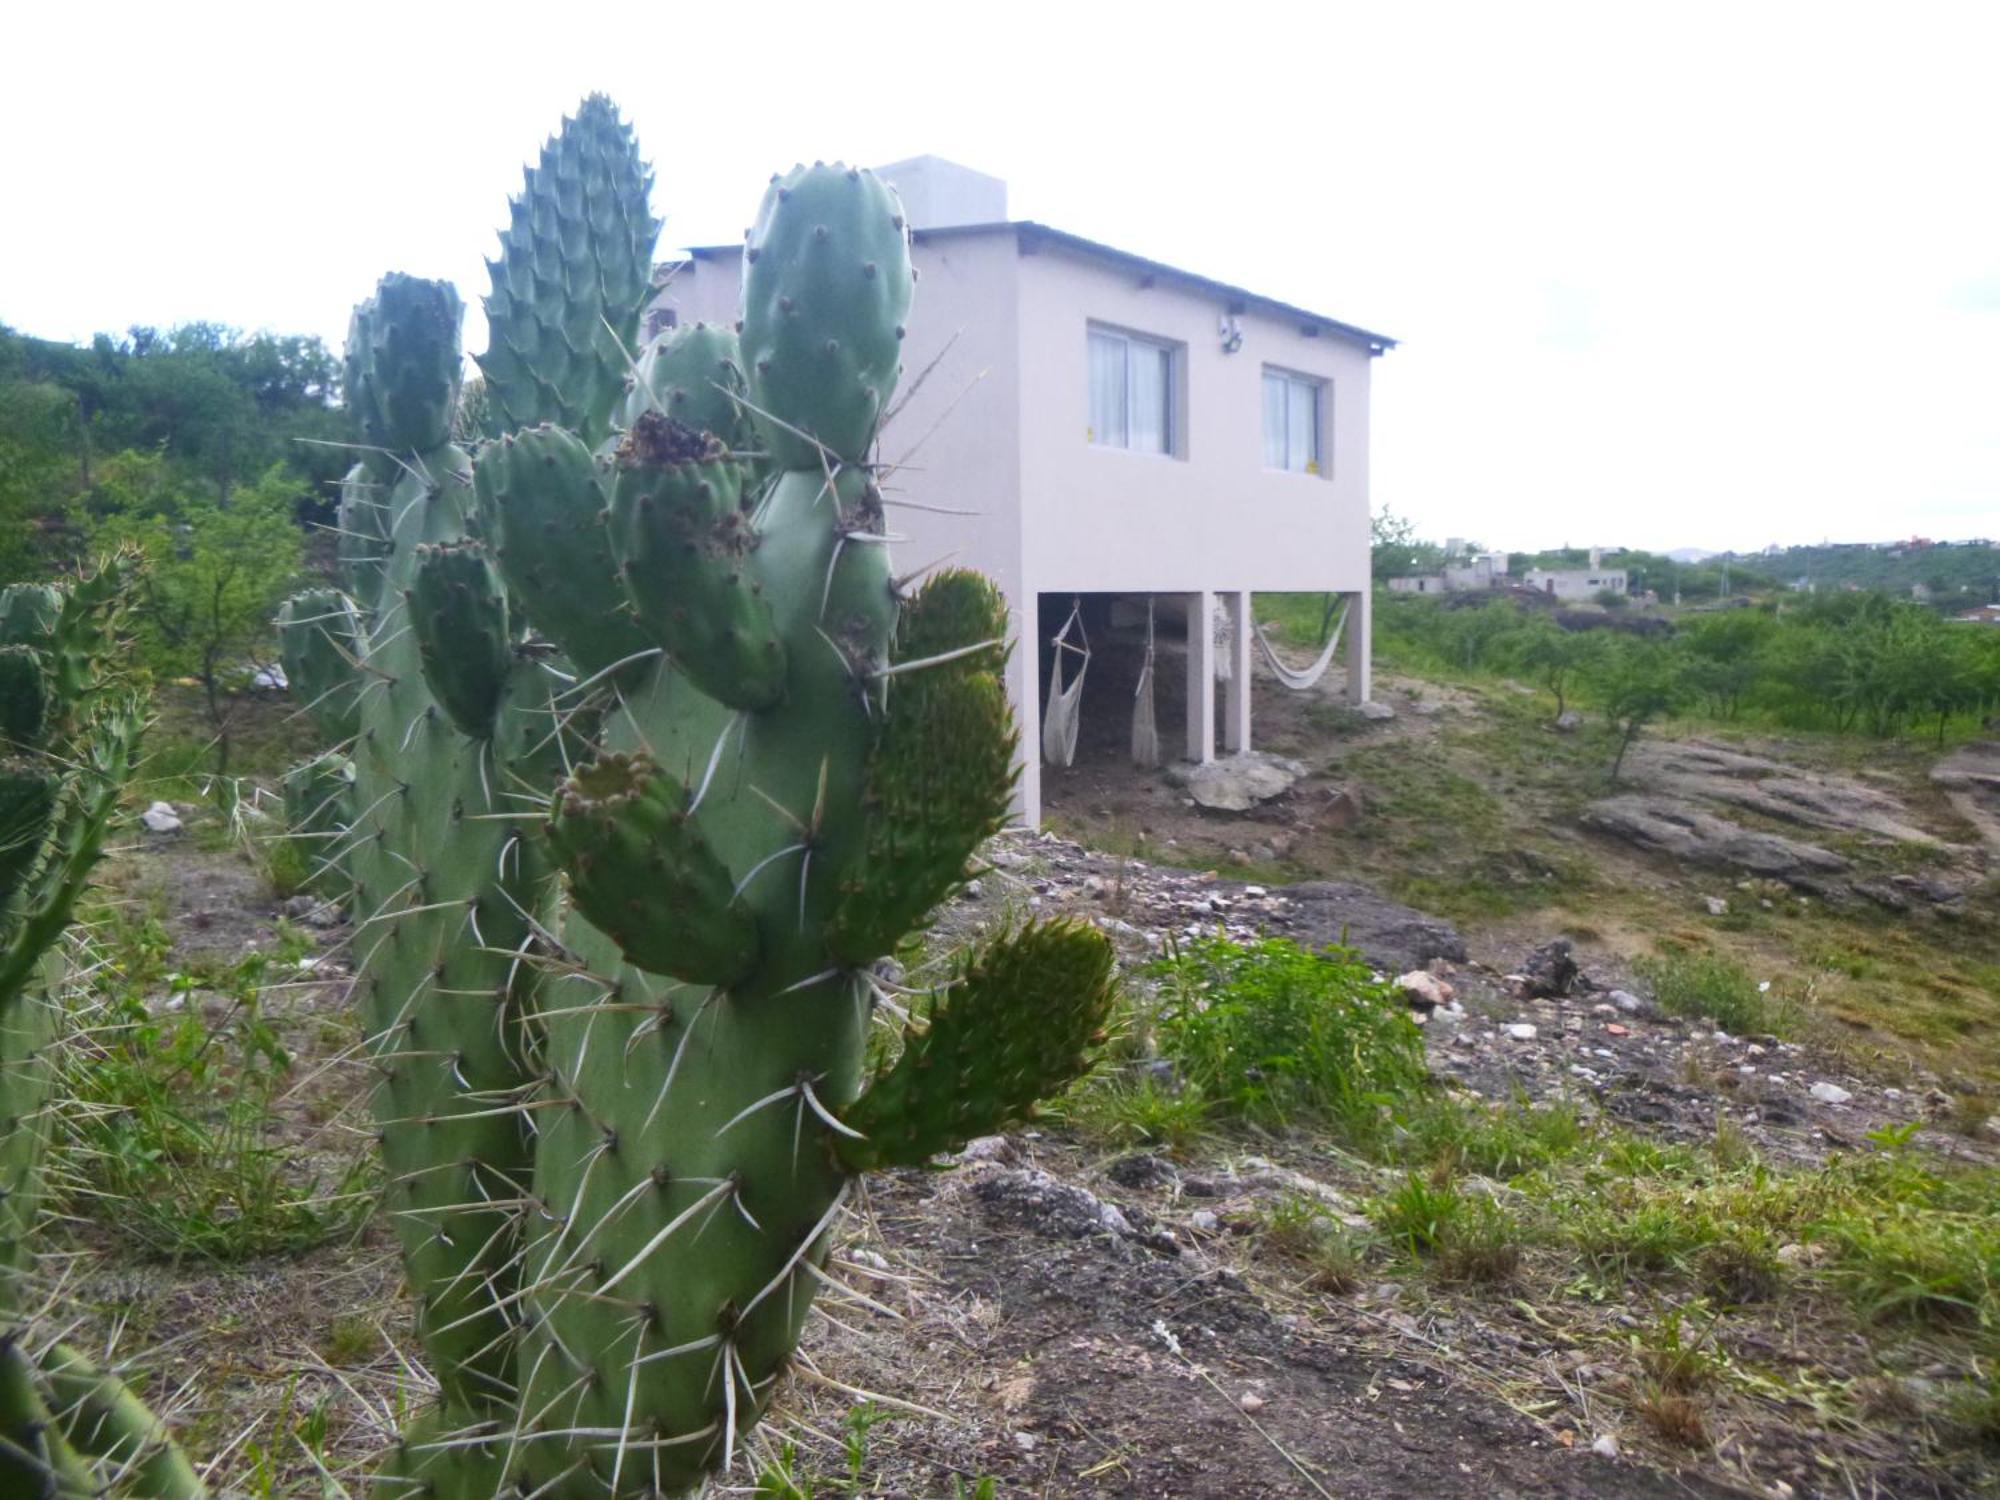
(1145, 732)
(1060, 718)
(1298, 679)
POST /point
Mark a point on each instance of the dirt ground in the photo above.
(1074, 1320)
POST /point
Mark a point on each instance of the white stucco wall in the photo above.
(1212, 517)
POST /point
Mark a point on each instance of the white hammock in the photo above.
(1145, 732)
(1293, 677)
(1060, 719)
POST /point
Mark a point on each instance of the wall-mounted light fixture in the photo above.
(1231, 331)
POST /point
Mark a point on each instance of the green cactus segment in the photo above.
(27, 803)
(826, 294)
(35, 1462)
(640, 870)
(683, 546)
(694, 374)
(319, 636)
(319, 806)
(24, 697)
(362, 531)
(1015, 1025)
(402, 363)
(458, 613)
(574, 274)
(28, 613)
(691, 1179)
(539, 493)
(940, 774)
(109, 1426)
(446, 880)
(440, 1461)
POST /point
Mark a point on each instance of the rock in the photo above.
(1238, 857)
(1236, 783)
(1391, 936)
(1635, 1005)
(1717, 907)
(988, 1148)
(1605, 1445)
(161, 818)
(1142, 1169)
(1829, 1093)
(1376, 711)
(1424, 990)
(1205, 1220)
(1429, 708)
(1032, 1199)
(1699, 771)
(1551, 971)
(1250, 1402)
(1569, 721)
(1343, 808)
(1992, 1127)
(1521, 1031)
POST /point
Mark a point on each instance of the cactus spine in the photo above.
(793, 762)
(69, 736)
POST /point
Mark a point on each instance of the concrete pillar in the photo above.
(1236, 701)
(1359, 645)
(1201, 676)
(1026, 672)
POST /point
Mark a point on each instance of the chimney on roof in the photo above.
(1596, 558)
(938, 194)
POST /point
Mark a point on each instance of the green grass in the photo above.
(173, 1077)
(1709, 986)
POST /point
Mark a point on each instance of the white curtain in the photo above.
(1275, 456)
(1152, 426)
(1107, 391)
(1302, 425)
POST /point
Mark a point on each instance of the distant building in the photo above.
(1484, 570)
(1578, 583)
(1984, 614)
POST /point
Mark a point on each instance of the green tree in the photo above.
(1553, 657)
(216, 574)
(1635, 682)
(1396, 550)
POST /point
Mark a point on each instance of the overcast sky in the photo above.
(1668, 275)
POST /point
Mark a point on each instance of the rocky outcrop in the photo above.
(1391, 936)
(1236, 783)
(1683, 831)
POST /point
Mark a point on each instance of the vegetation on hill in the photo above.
(1860, 663)
(206, 449)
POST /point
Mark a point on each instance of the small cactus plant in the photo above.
(69, 736)
(623, 1110)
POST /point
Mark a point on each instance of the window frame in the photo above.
(1320, 464)
(1173, 426)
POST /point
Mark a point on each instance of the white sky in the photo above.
(1669, 275)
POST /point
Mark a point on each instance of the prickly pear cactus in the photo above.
(617, 1190)
(69, 735)
(452, 740)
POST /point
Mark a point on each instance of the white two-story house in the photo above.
(1082, 421)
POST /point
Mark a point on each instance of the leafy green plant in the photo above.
(1275, 1033)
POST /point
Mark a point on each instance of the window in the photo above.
(1291, 422)
(1131, 392)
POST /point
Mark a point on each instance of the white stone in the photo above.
(1205, 1220)
(1605, 1445)
(1521, 1031)
(1830, 1093)
(1717, 907)
(161, 818)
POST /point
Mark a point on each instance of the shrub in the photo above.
(1273, 1033)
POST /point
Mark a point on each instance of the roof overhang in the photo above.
(1032, 237)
